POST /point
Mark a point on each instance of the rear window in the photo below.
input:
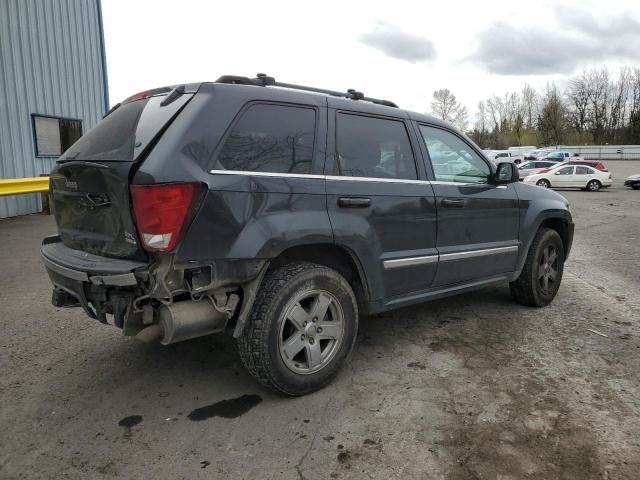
(127, 131)
(112, 139)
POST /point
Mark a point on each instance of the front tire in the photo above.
(541, 276)
(594, 186)
(544, 183)
(301, 329)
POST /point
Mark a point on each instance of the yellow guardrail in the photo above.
(18, 186)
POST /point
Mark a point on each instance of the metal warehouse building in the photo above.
(53, 86)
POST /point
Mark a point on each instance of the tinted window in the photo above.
(373, 147)
(112, 139)
(452, 159)
(583, 171)
(270, 138)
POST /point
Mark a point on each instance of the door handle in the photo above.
(354, 202)
(453, 202)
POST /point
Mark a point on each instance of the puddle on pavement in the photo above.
(130, 421)
(231, 408)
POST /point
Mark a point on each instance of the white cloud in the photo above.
(156, 43)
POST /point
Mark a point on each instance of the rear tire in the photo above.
(543, 183)
(635, 187)
(594, 186)
(301, 329)
(541, 276)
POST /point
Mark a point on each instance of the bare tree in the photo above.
(529, 99)
(446, 107)
(578, 95)
(553, 117)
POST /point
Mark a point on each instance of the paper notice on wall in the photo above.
(48, 136)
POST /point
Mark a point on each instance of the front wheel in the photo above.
(302, 328)
(594, 186)
(543, 182)
(540, 278)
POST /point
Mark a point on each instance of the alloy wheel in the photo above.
(548, 270)
(311, 331)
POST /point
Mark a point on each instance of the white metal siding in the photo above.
(51, 63)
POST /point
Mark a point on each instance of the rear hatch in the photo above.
(90, 182)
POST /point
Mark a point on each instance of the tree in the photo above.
(446, 107)
(552, 121)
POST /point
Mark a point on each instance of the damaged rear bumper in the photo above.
(100, 285)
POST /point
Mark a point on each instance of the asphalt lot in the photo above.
(472, 386)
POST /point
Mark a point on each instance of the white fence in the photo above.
(604, 152)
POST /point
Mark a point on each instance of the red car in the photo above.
(597, 164)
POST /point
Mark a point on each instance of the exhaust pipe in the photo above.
(185, 320)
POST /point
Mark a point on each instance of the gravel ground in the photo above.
(473, 386)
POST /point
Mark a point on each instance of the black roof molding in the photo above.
(263, 80)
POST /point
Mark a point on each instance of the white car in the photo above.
(577, 176)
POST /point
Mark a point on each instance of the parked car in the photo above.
(497, 156)
(563, 176)
(536, 154)
(633, 182)
(535, 166)
(597, 164)
(280, 215)
(559, 155)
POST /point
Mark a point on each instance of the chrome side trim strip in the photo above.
(343, 178)
(478, 253)
(265, 174)
(409, 262)
(458, 184)
(376, 180)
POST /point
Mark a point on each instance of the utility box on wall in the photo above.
(53, 86)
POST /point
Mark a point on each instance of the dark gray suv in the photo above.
(280, 213)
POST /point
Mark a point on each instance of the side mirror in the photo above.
(506, 172)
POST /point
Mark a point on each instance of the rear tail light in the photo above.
(163, 213)
(610, 176)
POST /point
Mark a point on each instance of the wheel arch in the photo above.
(562, 227)
(337, 257)
(555, 219)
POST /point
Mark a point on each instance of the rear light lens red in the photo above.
(163, 213)
(137, 96)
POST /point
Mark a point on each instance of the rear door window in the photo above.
(270, 138)
(374, 147)
(583, 171)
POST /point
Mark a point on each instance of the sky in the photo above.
(396, 50)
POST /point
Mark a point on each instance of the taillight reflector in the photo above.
(163, 213)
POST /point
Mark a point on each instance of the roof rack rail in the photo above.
(263, 80)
